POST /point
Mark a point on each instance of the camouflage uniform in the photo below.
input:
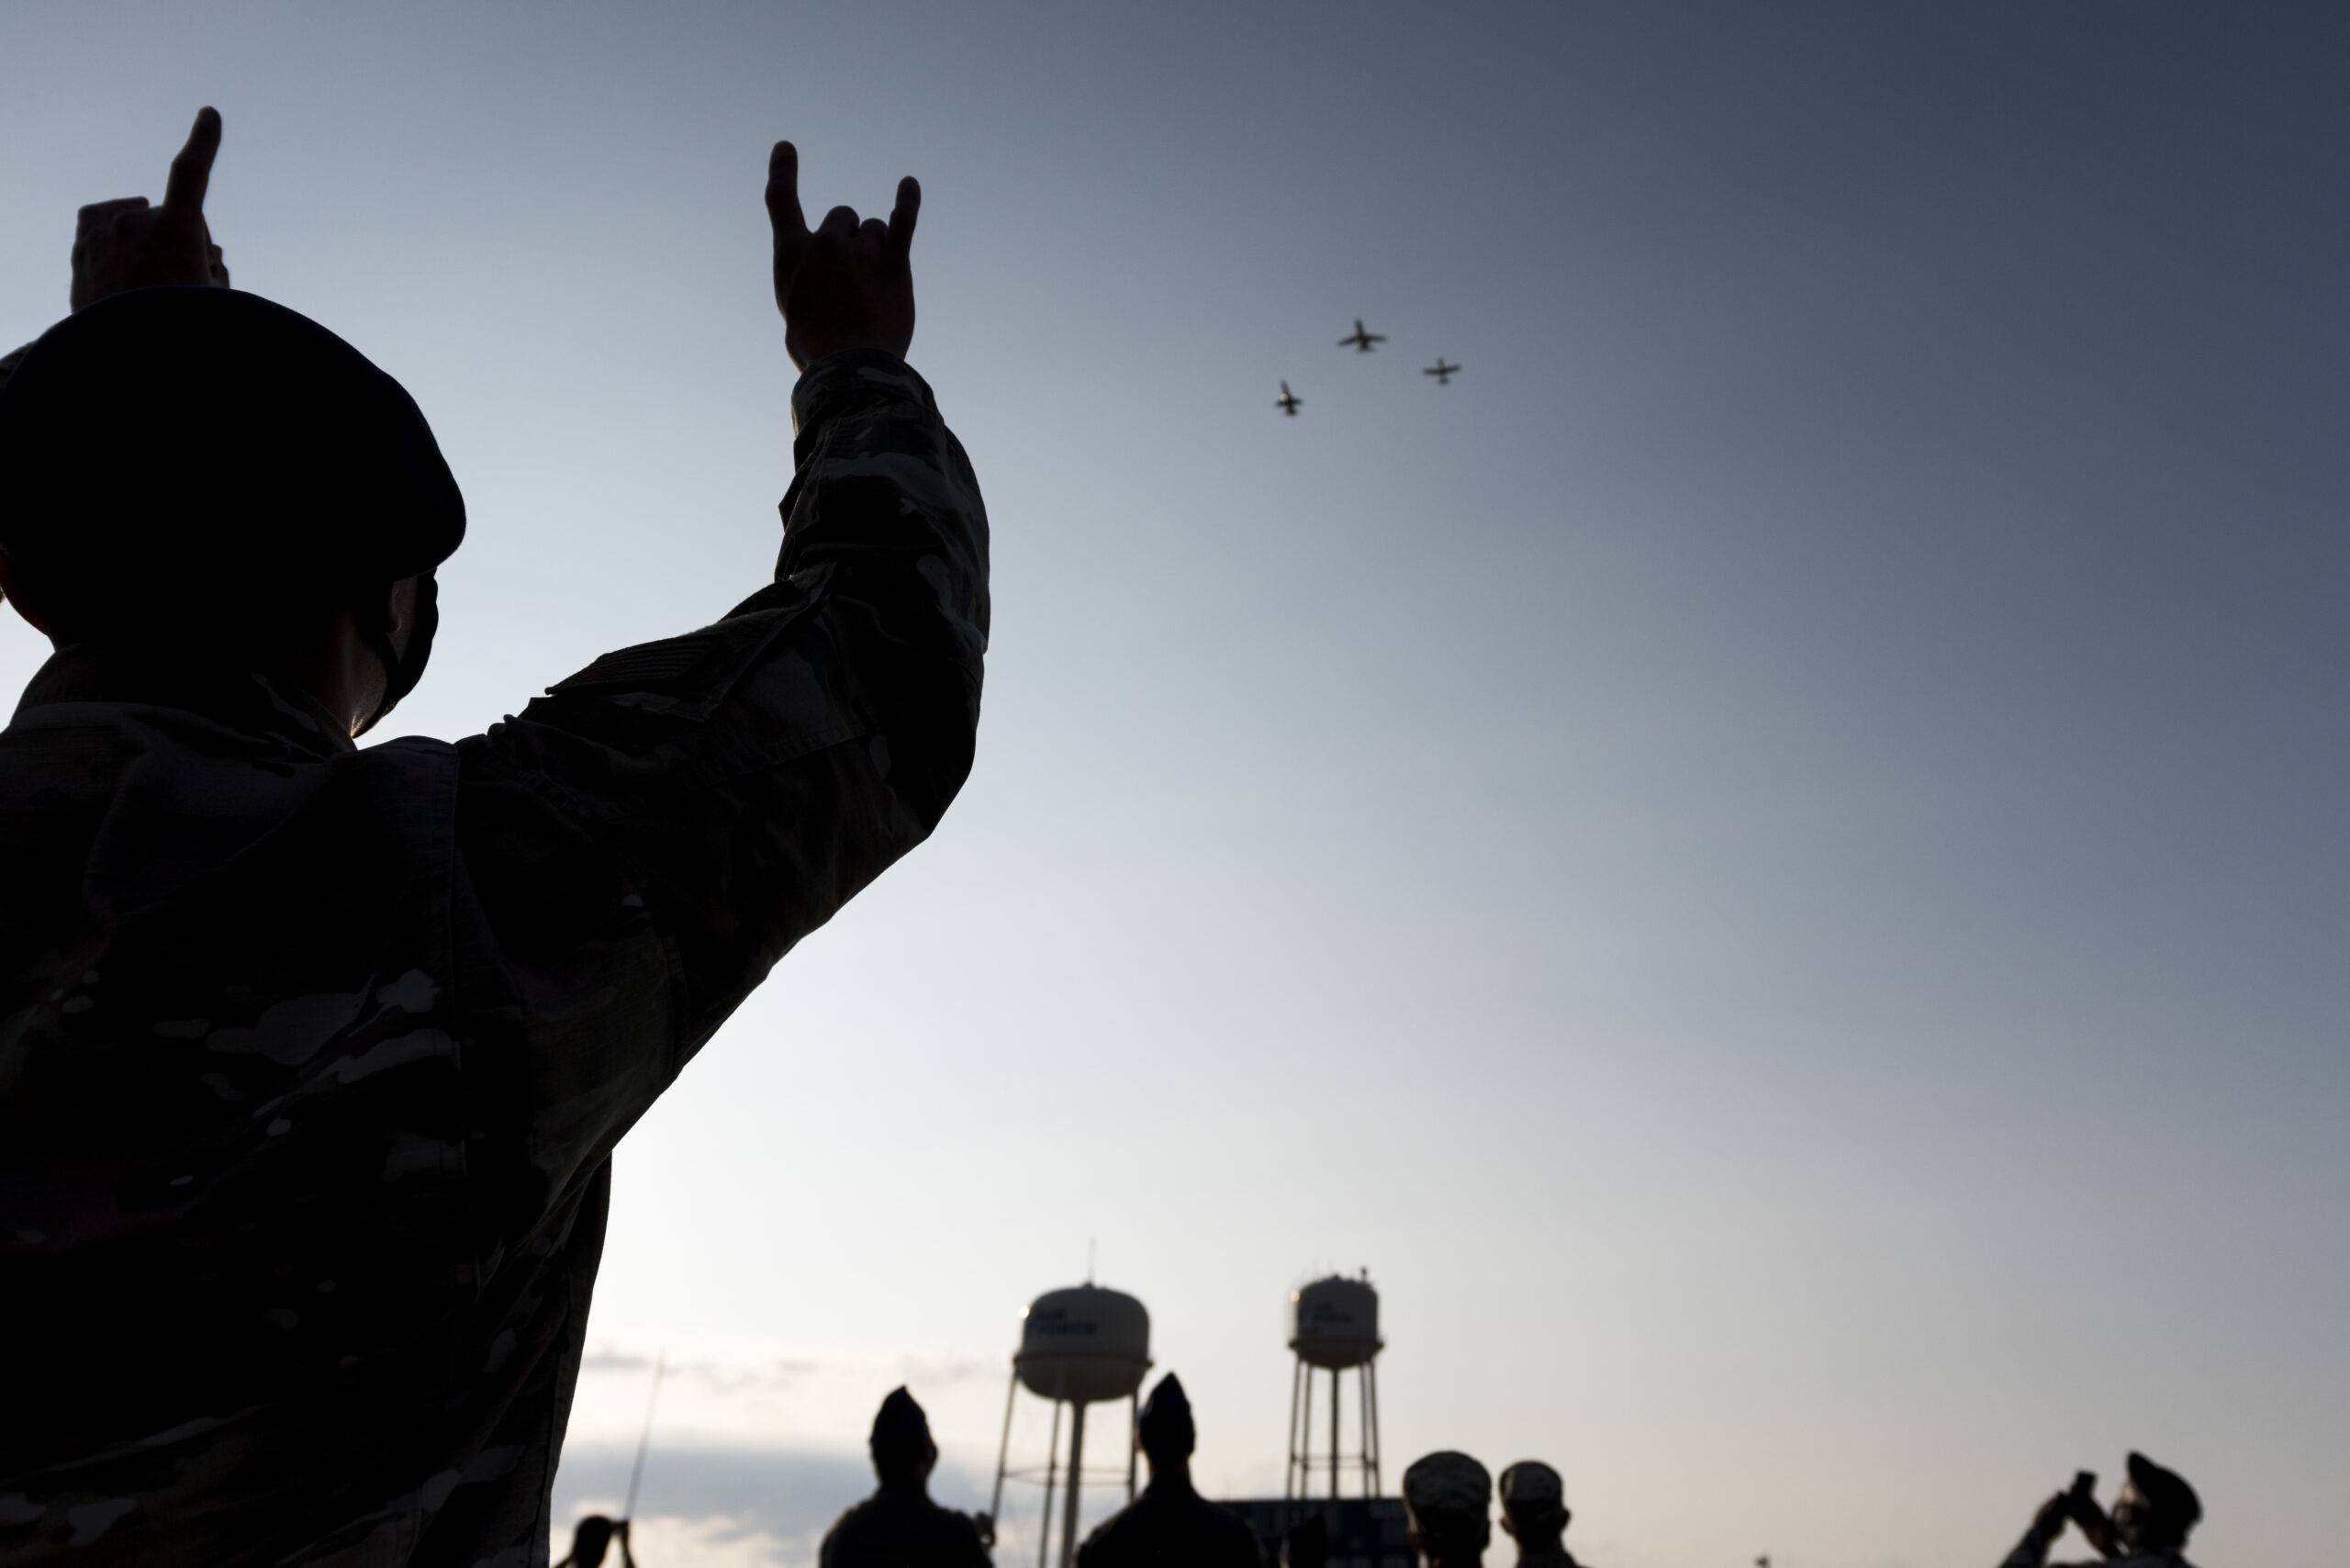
(1548, 1557)
(899, 1529)
(312, 1059)
(2032, 1552)
(1172, 1524)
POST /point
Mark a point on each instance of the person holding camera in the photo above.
(2146, 1529)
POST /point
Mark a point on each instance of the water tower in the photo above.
(1080, 1346)
(1334, 1328)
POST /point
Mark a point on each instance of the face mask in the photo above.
(400, 674)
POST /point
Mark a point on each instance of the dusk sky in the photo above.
(1773, 861)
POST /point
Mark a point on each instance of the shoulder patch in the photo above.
(647, 664)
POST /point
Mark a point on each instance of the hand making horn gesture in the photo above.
(845, 285)
(124, 244)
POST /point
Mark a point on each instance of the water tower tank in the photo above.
(1084, 1344)
(1335, 1323)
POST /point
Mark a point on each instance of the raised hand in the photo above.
(124, 244)
(847, 284)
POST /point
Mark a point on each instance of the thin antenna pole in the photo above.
(645, 1442)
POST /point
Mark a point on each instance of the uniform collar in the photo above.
(240, 699)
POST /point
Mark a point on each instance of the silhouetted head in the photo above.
(1445, 1500)
(590, 1538)
(1164, 1426)
(2156, 1508)
(902, 1450)
(1534, 1504)
(209, 475)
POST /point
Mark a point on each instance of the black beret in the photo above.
(172, 442)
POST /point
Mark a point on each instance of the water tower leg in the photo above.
(1052, 1457)
(1003, 1449)
(1076, 1469)
(1305, 1436)
(1288, 1467)
(1371, 1418)
(1134, 1436)
(1332, 1432)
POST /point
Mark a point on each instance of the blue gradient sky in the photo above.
(1772, 860)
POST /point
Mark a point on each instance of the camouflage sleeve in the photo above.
(648, 839)
(2032, 1552)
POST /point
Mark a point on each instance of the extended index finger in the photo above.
(901, 218)
(192, 170)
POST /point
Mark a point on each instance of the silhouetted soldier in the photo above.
(1171, 1523)
(312, 1059)
(1535, 1513)
(592, 1538)
(898, 1526)
(1445, 1503)
(2147, 1529)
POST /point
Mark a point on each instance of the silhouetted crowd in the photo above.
(1447, 1499)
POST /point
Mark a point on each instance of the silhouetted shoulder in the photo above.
(894, 1529)
(1168, 1528)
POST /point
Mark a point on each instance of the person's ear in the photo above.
(398, 611)
(25, 607)
(1564, 1515)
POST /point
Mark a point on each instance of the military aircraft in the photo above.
(1288, 402)
(1442, 372)
(1360, 339)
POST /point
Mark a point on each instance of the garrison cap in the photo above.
(2166, 1491)
(1447, 1483)
(1164, 1423)
(901, 1429)
(167, 446)
(1531, 1481)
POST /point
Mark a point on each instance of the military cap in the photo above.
(2167, 1492)
(1164, 1423)
(168, 446)
(1531, 1481)
(1447, 1483)
(901, 1429)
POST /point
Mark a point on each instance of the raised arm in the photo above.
(126, 243)
(646, 840)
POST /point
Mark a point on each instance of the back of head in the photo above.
(2168, 1507)
(1534, 1500)
(1446, 1497)
(185, 461)
(1164, 1425)
(903, 1449)
(590, 1538)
